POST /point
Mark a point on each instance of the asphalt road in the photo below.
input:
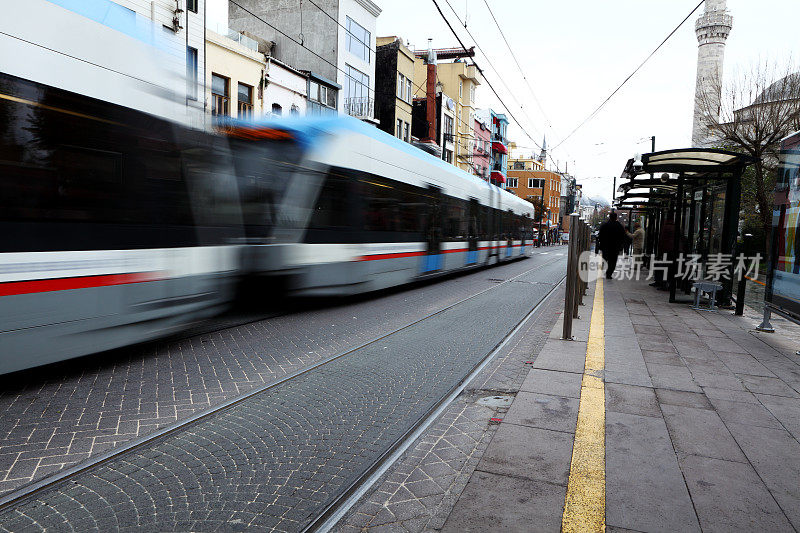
(276, 460)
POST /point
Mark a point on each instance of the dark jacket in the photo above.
(611, 237)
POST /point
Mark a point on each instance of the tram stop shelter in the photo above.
(700, 190)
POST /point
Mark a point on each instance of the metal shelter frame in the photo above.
(682, 171)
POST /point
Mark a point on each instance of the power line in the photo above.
(489, 83)
(439, 9)
(514, 56)
(301, 44)
(596, 111)
(491, 65)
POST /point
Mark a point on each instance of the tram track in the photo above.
(37, 488)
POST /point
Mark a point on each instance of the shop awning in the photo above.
(498, 176)
(499, 147)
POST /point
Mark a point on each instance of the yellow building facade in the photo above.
(234, 70)
(461, 81)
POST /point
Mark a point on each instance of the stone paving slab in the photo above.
(702, 417)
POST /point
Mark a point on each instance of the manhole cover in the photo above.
(496, 401)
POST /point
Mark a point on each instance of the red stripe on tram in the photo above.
(11, 288)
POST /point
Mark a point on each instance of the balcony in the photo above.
(220, 105)
(360, 107)
(496, 137)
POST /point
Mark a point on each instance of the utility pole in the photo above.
(614, 192)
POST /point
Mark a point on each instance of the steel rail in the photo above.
(336, 510)
(35, 488)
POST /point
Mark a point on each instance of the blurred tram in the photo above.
(123, 217)
(337, 207)
(119, 223)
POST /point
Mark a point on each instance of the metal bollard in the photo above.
(740, 290)
(569, 294)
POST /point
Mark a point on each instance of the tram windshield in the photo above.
(264, 169)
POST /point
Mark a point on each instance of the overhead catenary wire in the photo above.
(631, 75)
(301, 44)
(514, 57)
(489, 83)
(491, 65)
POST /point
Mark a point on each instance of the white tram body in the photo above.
(361, 210)
(120, 222)
(110, 231)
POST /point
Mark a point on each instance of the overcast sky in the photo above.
(575, 53)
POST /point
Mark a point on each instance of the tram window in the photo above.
(412, 211)
(332, 208)
(163, 194)
(89, 183)
(483, 223)
(381, 205)
(455, 219)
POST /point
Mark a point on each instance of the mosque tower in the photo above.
(712, 28)
(543, 154)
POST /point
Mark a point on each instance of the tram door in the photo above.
(510, 230)
(432, 260)
(472, 231)
(494, 221)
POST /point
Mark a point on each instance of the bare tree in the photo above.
(751, 114)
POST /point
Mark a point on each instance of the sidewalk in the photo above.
(701, 420)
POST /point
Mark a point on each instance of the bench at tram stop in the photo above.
(707, 287)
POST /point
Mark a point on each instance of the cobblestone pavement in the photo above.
(273, 462)
(55, 417)
(418, 493)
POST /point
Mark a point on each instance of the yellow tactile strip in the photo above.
(585, 504)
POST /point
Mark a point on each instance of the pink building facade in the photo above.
(482, 150)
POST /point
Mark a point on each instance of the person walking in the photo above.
(611, 238)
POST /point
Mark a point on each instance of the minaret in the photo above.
(712, 28)
(543, 154)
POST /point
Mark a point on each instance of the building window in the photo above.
(191, 5)
(399, 129)
(321, 99)
(448, 128)
(519, 165)
(245, 101)
(407, 132)
(357, 40)
(535, 183)
(191, 73)
(356, 92)
(511, 183)
(220, 97)
(401, 85)
(277, 110)
(409, 92)
(460, 89)
(447, 155)
(472, 93)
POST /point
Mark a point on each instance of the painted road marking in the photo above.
(585, 504)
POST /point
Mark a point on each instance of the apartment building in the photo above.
(460, 80)
(394, 83)
(498, 124)
(528, 178)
